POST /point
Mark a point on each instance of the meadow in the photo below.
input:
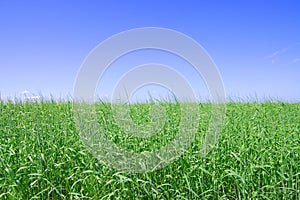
(257, 156)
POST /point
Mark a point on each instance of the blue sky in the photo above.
(255, 44)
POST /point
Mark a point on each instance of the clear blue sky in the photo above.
(255, 44)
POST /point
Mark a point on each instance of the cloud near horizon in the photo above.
(288, 55)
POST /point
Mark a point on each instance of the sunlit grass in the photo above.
(257, 157)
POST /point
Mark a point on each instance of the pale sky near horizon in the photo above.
(254, 44)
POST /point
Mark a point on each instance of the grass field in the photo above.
(257, 157)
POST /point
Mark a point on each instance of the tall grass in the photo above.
(257, 157)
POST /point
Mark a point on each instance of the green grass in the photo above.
(257, 157)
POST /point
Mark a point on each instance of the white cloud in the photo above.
(25, 92)
(276, 53)
(295, 60)
(283, 56)
(32, 97)
(27, 95)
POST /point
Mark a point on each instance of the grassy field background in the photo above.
(257, 157)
